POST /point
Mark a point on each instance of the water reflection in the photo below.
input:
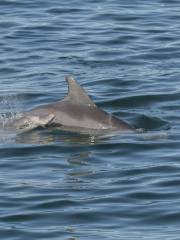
(81, 158)
(54, 136)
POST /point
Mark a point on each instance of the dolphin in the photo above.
(76, 112)
(31, 121)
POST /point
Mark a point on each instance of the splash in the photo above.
(10, 109)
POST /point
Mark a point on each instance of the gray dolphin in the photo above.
(76, 112)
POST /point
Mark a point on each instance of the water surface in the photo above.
(59, 185)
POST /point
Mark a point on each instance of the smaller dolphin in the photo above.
(29, 122)
(76, 112)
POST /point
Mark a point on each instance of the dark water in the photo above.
(58, 185)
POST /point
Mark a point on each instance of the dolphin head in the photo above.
(30, 122)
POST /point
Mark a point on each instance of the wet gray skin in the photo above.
(30, 122)
(76, 112)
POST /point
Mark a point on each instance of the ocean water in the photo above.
(62, 185)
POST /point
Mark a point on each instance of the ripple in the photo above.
(61, 185)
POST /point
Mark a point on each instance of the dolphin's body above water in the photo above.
(76, 112)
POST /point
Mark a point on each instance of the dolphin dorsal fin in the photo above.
(76, 94)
